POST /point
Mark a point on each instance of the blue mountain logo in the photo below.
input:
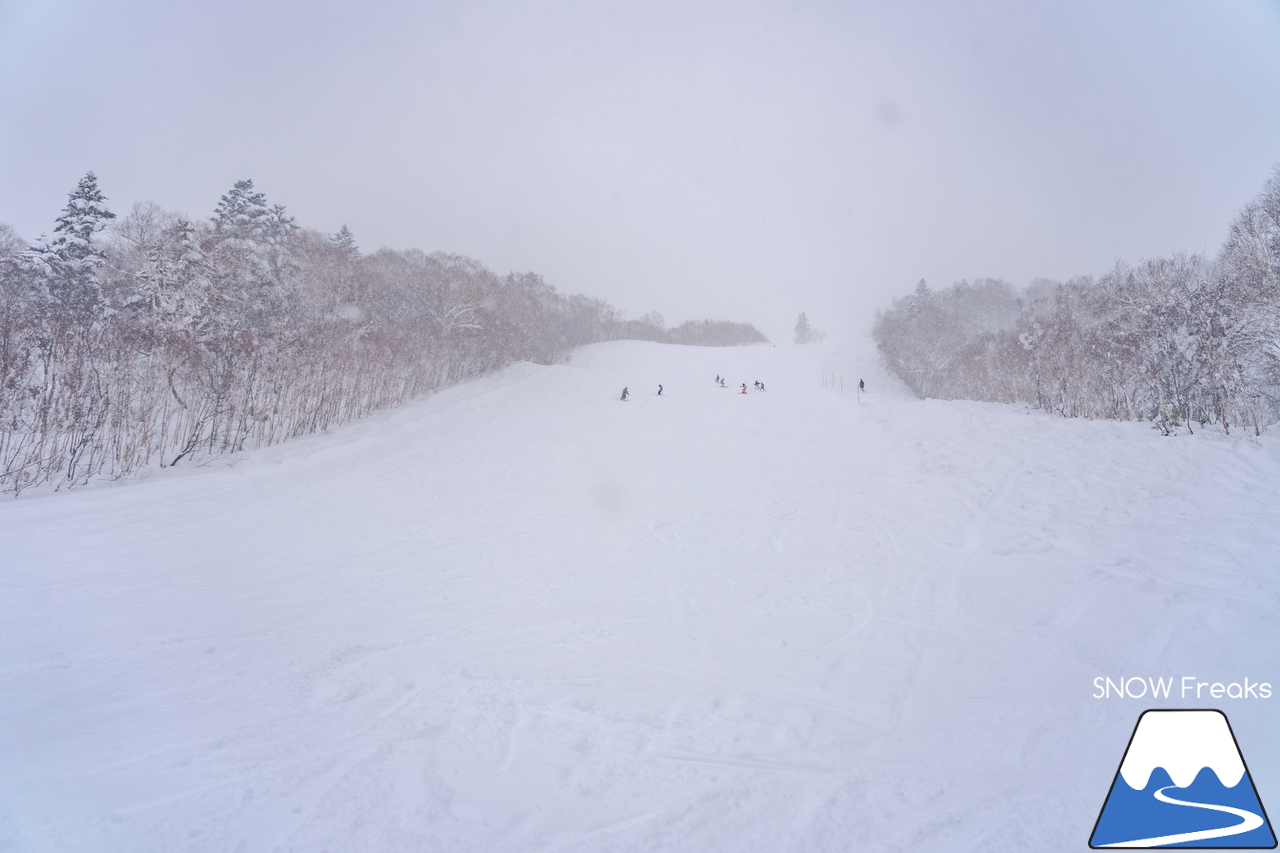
(1183, 783)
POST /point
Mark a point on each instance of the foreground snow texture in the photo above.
(524, 615)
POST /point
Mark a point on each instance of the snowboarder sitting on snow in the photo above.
(624, 393)
(722, 385)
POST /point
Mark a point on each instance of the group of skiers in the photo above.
(720, 380)
(626, 393)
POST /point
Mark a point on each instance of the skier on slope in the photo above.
(624, 394)
(717, 378)
(659, 390)
(722, 385)
(862, 386)
(744, 387)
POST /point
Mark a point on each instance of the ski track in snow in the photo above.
(519, 615)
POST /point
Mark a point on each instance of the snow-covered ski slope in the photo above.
(523, 615)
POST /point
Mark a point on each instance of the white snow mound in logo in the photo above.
(1183, 743)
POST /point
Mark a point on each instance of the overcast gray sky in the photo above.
(736, 160)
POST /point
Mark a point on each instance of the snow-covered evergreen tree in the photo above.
(243, 213)
(85, 215)
(67, 266)
(804, 332)
(250, 262)
(345, 241)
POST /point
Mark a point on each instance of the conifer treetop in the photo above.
(85, 215)
(346, 241)
(244, 213)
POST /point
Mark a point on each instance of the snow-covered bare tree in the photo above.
(11, 243)
(157, 339)
(1175, 341)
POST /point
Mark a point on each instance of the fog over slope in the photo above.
(743, 160)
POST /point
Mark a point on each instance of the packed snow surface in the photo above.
(522, 614)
